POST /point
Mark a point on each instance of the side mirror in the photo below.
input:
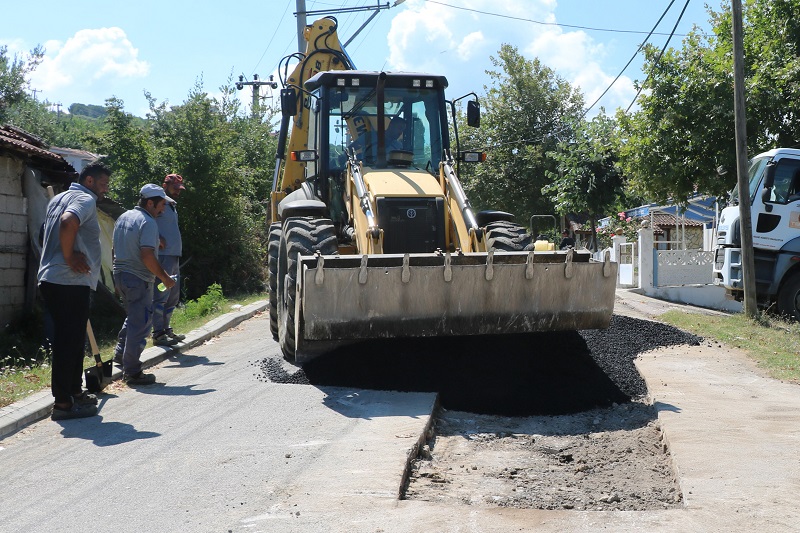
(473, 113)
(769, 175)
(288, 102)
(769, 182)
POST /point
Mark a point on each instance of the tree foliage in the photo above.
(525, 112)
(684, 129)
(588, 178)
(225, 159)
(14, 73)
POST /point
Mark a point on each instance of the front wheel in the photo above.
(789, 297)
(273, 248)
(300, 236)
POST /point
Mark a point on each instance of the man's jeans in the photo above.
(137, 295)
(164, 303)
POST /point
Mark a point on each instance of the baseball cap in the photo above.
(152, 191)
(175, 179)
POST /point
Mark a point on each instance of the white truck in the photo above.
(774, 197)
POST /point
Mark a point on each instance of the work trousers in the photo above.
(137, 295)
(164, 303)
(69, 307)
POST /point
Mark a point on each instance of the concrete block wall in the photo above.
(13, 238)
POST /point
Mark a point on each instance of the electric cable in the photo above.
(658, 59)
(634, 55)
(589, 28)
(273, 37)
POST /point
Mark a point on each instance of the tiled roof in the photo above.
(20, 142)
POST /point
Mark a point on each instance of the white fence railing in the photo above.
(682, 267)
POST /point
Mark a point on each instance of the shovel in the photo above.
(99, 376)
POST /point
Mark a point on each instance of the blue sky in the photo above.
(95, 50)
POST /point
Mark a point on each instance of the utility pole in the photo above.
(34, 91)
(301, 18)
(256, 83)
(301, 25)
(748, 263)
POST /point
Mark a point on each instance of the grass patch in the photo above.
(25, 362)
(774, 344)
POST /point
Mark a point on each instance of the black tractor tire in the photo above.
(273, 247)
(789, 297)
(505, 236)
(300, 236)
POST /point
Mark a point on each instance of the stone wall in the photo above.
(13, 238)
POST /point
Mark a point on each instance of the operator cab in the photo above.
(352, 113)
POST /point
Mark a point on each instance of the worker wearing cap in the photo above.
(169, 255)
(135, 268)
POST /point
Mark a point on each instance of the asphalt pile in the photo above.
(550, 373)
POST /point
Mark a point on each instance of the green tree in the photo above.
(684, 130)
(588, 178)
(14, 73)
(525, 112)
(128, 150)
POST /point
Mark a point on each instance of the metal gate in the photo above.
(628, 265)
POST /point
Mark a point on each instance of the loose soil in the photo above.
(604, 459)
(553, 420)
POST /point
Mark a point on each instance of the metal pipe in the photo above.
(458, 192)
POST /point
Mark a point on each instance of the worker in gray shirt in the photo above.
(169, 255)
(135, 268)
(69, 269)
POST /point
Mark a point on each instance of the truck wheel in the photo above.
(273, 248)
(506, 237)
(300, 236)
(789, 297)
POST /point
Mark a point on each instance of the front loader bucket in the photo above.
(344, 298)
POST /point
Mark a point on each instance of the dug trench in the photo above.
(555, 420)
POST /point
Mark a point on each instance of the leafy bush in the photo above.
(211, 301)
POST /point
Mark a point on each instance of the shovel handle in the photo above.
(93, 343)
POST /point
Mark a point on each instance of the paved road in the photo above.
(212, 448)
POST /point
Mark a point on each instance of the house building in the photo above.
(27, 167)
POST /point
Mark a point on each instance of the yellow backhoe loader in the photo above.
(372, 235)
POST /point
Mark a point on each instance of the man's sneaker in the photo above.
(140, 379)
(175, 336)
(76, 411)
(85, 398)
(162, 339)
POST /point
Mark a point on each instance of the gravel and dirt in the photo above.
(557, 420)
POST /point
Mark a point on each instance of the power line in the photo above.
(589, 28)
(634, 55)
(658, 59)
(273, 36)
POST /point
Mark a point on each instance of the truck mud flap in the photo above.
(342, 298)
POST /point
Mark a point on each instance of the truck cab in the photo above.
(774, 200)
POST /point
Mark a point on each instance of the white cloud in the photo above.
(431, 37)
(89, 58)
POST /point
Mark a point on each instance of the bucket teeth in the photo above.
(362, 273)
(529, 266)
(490, 265)
(607, 264)
(568, 268)
(319, 276)
(448, 270)
(406, 275)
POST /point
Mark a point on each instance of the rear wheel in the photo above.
(300, 236)
(789, 297)
(507, 236)
(273, 248)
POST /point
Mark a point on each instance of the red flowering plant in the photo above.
(623, 225)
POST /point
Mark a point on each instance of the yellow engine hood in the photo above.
(401, 182)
